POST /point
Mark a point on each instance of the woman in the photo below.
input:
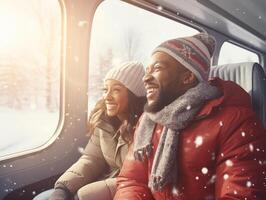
(111, 126)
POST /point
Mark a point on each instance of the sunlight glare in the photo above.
(8, 24)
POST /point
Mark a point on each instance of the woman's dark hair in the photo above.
(125, 128)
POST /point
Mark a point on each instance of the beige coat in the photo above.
(102, 158)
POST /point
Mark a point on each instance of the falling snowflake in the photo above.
(188, 107)
(229, 163)
(76, 59)
(81, 150)
(260, 17)
(160, 8)
(221, 123)
(248, 184)
(197, 178)
(243, 134)
(251, 147)
(213, 156)
(175, 191)
(198, 141)
(226, 176)
(222, 154)
(82, 23)
(235, 192)
(33, 192)
(204, 170)
(159, 131)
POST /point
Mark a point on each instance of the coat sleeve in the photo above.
(87, 169)
(241, 162)
(132, 182)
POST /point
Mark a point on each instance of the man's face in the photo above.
(163, 81)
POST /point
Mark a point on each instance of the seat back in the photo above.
(251, 77)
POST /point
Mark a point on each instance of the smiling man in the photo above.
(197, 138)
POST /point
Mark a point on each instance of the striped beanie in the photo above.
(130, 74)
(193, 52)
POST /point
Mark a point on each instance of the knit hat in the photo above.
(193, 52)
(130, 74)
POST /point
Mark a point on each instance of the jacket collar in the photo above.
(232, 94)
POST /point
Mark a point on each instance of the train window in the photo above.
(29, 73)
(123, 32)
(231, 53)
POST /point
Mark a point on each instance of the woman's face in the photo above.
(115, 96)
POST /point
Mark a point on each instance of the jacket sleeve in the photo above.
(87, 169)
(132, 182)
(241, 162)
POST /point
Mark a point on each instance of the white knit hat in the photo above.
(130, 74)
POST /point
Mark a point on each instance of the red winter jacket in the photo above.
(221, 155)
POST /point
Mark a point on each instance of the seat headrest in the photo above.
(251, 77)
(240, 73)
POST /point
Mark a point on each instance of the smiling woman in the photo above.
(116, 98)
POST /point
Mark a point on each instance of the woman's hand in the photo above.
(60, 194)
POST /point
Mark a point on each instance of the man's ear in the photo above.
(189, 78)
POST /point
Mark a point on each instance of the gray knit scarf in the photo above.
(174, 117)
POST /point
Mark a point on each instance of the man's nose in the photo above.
(147, 77)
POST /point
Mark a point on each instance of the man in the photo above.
(197, 140)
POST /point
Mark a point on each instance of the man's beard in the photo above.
(164, 99)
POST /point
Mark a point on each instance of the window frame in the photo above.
(239, 45)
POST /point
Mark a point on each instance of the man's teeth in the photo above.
(150, 90)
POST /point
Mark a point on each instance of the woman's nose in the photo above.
(107, 95)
